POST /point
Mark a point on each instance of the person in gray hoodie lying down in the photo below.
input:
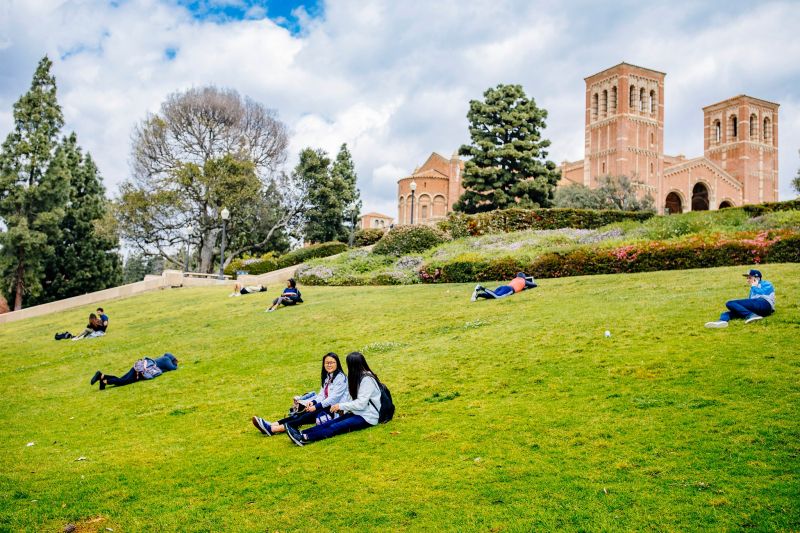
(308, 407)
(361, 409)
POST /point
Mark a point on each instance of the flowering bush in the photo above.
(365, 237)
(402, 240)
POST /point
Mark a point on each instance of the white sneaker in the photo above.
(753, 318)
(717, 324)
(475, 293)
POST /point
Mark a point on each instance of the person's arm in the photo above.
(365, 390)
(337, 391)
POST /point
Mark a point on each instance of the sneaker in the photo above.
(270, 310)
(96, 377)
(102, 385)
(717, 324)
(475, 293)
(753, 318)
(263, 426)
(295, 436)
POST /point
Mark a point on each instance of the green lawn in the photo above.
(511, 415)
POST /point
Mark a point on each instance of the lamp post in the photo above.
(225, 214)
(189, 231)
(413, 187)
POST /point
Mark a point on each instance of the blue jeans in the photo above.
(745, 308)
(302, 419)
(499, 292)
(127, 379)
(344, 424)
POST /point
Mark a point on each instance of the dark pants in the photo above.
(301, 419)
(283, 300)
(745, 308)
(167, 362)
(127, 379)
(499, 292)
(344, 424)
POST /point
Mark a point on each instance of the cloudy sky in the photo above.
(393, 78)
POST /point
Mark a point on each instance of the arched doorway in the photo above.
(673, 205)
(725, 204)
(700, 197)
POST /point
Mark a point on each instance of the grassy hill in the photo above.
(512, 415)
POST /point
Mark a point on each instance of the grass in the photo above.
(512, 415)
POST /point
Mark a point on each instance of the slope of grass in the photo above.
(512, 415)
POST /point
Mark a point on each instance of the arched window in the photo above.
(699, 197)
(717, 131)
(652, 102)
(401, 211)
(423, 215)
(673, 205)
(652, 138)
(594, 106)
(651, 168)
(734, 127)
(604, 168)
(642, 103)
(767, 130)
(604, 104)
(613, 102)
(753, 127)
(632, 104)
(725, 204)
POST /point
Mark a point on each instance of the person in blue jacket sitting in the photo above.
(759, 304)
(290, 296)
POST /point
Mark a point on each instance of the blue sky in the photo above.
(391, 78)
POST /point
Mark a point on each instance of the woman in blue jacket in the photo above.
(759, 304)
(333, 389)
(289, 296)
(361, 409)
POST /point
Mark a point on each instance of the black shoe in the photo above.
(295, 436)
(102, 385)
(96, 377)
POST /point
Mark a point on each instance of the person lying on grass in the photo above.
(240, 289)
(360, 411)
(93, 329)
(760, 303)
(290, 296)
(314, 407)
(518, 284)
(144, 368)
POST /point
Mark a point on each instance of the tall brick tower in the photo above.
(741, 136)
(625, 126)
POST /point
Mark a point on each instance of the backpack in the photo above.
(65, 335)
(386, 412)
(147, 368)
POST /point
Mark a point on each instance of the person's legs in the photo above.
(296, 420)
(337, 426)
(127, 379)
(745, 308)
(503, 291)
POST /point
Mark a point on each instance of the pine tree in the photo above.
(344, 177)
(85, 258)
(323, 216)
(32, 190)
(507, 165)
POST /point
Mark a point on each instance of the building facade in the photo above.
(430, 192)
(375, 220)
(624, 135)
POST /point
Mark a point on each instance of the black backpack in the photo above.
(386, 412)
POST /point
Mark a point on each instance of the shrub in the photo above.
(301, 255)
(402, 240)
(253, 265)
(770, 207)
(365, 237)
(509, 220)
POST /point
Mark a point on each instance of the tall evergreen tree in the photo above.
(507, 164)
(323, 215)
(85, 258)
(344, 177)
(32, 190)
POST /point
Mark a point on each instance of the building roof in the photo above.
(373, 214)
(436, 166)
(705, 162)
(626, 64)
(727, 100)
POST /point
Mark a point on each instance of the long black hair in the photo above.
(325, 372)
(292, 283)
(357, 368)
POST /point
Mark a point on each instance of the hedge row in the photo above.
(697, 252)
(509, 220)
(402, 240)
(759, 209)
(295, 257)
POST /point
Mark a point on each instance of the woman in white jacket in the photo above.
(360, 410)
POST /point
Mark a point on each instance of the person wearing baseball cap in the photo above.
(759, 304)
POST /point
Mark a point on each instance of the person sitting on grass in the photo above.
(144, 368)
(240, 289)
(93, 329)
(290, 296)
(518, 284)
(361, 410)
(103, 317)
(759, 304)
(308, 407)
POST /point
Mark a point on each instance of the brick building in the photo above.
(624, 135)
(375, 220)
(437, 187)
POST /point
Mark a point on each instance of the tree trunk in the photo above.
(20, 284)
(207, 252)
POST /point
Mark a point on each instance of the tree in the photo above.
(207, 149)
(322, 220)
(85, 255)
(613, 192)
(33, 185)
(577, 196)
(796, 181)
(507, 165)
(137, 266)
(344, 177)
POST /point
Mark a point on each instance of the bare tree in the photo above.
(206, 149)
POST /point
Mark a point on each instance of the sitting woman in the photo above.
(290, 296)
(94, 328)
(240, 289)
(307, 408)
(361, 410)
(518, 284)
(144, 368)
